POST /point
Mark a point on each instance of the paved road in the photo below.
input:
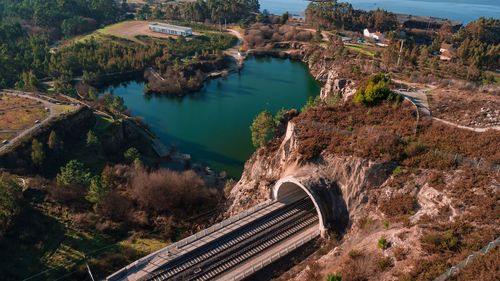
(53, 113)
(420, 99)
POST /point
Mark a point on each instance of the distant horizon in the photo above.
(464, 11)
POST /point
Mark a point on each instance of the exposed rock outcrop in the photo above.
(353, 175)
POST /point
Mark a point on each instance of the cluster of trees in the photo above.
(375, 91)
(332, 14)
(265, 126)
(475, 50)
(121, 195)
(24, 50)
(94, 58)
(62, 16)
(20, 53)
(479, 44)
(10, 201)
(98, 57)
(218, 11)
(260, 34)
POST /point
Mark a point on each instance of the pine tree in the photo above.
(37, 152)
(97, 191)
(92, 139)
(53, 141)
(262, 128)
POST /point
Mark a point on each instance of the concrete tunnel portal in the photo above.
(326, 197)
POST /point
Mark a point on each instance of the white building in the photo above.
(446, 52)
(370, 33)
(171, 29)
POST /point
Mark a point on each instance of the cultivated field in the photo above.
(18, 114)
(131, 29)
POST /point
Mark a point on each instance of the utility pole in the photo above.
(89, 271)
(401, 50)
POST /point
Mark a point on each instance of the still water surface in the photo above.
(462, 10)
(213, 124)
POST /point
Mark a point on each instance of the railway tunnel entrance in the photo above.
(326, 197)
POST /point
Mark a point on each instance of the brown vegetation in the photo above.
(19, 113)
(466, 107)
(387, 133)
(399, 205)
(259, 35)
(484, 268)
(168, 191)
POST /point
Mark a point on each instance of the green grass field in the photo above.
(360, 49)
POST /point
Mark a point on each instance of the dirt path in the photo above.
(235, 50)
(420, 99)
(53, 113)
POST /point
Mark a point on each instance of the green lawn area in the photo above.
(361, 49)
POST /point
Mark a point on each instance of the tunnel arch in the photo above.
(288, 188)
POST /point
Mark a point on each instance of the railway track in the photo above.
(253, 249)
(285, 221)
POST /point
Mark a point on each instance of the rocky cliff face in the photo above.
(330, 72)
(268, 165)
(353, 175)
(431, 215)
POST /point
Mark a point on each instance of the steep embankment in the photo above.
(419, 196)
(69, 127)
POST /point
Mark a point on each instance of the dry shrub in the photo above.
(164, 225)
(399, 205)
(350, 130)
(83, 220)
(314, 272)
(289, 36)
(426, 269)
(266, 32)
(140, 218)
(115, 207)
(458, 141)
(436, 179)
(277, 37)
(70, 195)
(379, 144)
(165, 190)
(387, 132)
(107, 226)
(484, 268)
(358, 267)
(304, 36)
(384, 263)
(400, 253)
(286, 28)
(436, 242)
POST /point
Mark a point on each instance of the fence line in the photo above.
(456, 268)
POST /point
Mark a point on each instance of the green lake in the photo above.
(212, 125)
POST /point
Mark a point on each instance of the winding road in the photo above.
(53, 112)
(421, 101)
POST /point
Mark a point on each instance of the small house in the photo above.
(346, 39)
(372, 33)
(171, 29)
(446, 52)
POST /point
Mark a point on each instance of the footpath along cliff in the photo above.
(419, 195)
